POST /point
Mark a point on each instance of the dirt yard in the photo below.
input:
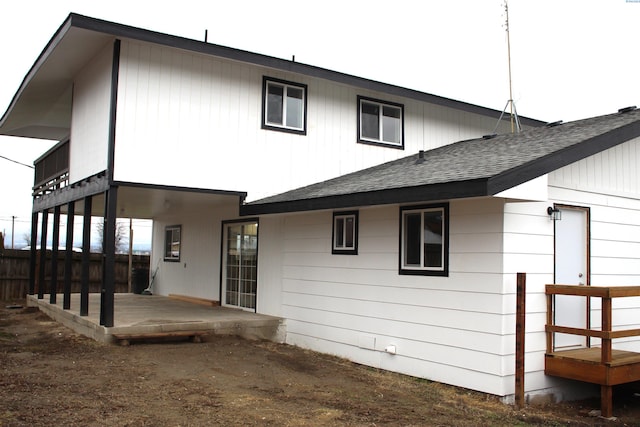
(51, 376)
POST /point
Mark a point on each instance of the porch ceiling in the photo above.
(146, 202)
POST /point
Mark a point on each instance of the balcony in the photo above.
(52, 170)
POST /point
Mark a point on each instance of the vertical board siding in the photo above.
(181, 110)
(90, 117)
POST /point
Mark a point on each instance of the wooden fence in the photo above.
(14, 272)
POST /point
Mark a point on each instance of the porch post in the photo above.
(68, 257)
(86, 257)
(55, 241)
(34, 253)
(109, 258)
(43, 254)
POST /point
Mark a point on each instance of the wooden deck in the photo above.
(585, 365)
(602, 365)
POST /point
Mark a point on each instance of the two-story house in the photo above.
(404, 256)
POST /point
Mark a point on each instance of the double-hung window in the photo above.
(284, 105)
(380, 122)
(424, 247)
(345, 233)
(172, 243)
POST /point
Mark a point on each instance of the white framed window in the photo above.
(345, 233)
(284, 105)
(172, 241)
(424, 247)
(380, 122)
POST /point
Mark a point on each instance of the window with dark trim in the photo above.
(380, 122)
(172, 242)
(284, 105)
(345, 233)
(424, 240)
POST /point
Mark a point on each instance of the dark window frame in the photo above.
(335, 249)
(380, 141)
(169, 242)
(422, 270)
(283, 128)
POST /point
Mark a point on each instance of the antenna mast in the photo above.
(513, 113)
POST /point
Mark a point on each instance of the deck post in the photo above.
(550, 335)
(43, 254)
(606, 327)
(606, 401)
(521, 311)
(108, 257)
(86, 257)
(34, 253)
(55, 241)
(68, 257)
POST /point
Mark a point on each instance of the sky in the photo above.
(570, 59)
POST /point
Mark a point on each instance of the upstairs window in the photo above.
(380, 122)
(345, 233)
(284, 106)
(424, 234)
(172, 243)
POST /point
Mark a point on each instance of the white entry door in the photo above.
(571, 268)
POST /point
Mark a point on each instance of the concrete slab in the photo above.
(151, 314)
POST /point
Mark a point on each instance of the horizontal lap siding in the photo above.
(445, 328)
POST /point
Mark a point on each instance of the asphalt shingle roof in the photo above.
(478, 167)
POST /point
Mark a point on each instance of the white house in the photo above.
(403, 257)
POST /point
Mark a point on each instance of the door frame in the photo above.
(221, 285)
(587, 212)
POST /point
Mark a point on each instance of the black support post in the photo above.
(55, 241)
(68, 257)
(109, 259)
(34, 253)
(86, 257)
(43, 254)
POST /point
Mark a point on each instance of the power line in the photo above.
(15, 161)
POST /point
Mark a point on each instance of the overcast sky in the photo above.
(570, 59)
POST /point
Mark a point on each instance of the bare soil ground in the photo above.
(52, 376)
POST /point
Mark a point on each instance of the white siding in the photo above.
(445, 328)
(90, 117)
(198, 272)
(191, 120)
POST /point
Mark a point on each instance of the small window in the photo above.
(424, 240)
(345, 233)
(172, 243)
(380, 123)
(284, 106)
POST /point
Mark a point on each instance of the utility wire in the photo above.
(15, 161)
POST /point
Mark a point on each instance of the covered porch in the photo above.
(154, 316)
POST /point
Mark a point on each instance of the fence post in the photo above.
(521, 292)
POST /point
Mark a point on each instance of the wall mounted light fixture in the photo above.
(555, 214)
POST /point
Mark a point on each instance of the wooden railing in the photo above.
(52, 170)
(604, 366)
(605, 333)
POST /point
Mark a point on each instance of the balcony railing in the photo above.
(52, 170)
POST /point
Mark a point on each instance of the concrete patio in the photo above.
(152, 314)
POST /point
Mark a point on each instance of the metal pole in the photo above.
(13, 230)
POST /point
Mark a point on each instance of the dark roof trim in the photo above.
(561, 158)
(125, 31)
(241, 194)
(424, 193)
